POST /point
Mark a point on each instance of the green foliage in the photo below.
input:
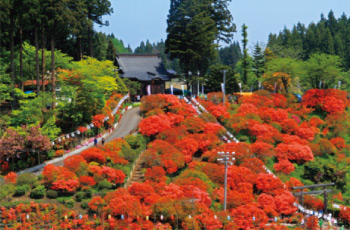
(105, 184)
(326, 36)
(258, 61)
(52, 194)
(84, 204)
(215, 77)
(289, 66)
(230, 55)
(137, 142)
(322, 67)
(26, 179)
(128, 153)
(192, 29)
(133, 86)
(79, 196)
(6, 190)
(21, 190)
(50, 129)
(38, 192)
(69, 203)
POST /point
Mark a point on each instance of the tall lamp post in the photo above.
(226, 158)
(224, 86)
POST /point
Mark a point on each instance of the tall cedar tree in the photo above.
(193, 26)
(245, 61)
(95, 10)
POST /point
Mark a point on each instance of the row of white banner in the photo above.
(70, 135)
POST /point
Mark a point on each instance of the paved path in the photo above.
(127, 124)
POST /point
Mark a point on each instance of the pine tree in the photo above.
(258, 61)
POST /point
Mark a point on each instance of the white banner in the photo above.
(148, 89)
(171, 89)
(339, 84)
(222, 87)
(183, 90)
(259, 84)
(240, 86)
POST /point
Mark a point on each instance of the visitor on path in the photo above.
(103, 141)
(95, 141)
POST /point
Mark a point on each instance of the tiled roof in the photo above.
(144, 67)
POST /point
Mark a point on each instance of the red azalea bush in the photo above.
(11, 177)
(154, 124)
(329, 100)
(94, 154)
(98, 120)
(284, 166)
(70, 185)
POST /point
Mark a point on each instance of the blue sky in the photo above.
(134, 21)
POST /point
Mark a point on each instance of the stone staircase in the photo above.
(136, 174)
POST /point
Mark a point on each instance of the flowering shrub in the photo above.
(98, 120)
(94, 154)
(154, 124)
(11, 177)
(284, 166)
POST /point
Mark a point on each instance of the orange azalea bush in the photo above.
(11, 177)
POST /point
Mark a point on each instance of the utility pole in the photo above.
(224, 86)
(226, 158)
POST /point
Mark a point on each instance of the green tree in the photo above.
(259, 61)
(111, 51)
(214, 79)
(284, 69)
(192, 29)
(230, 55)
(323, 68)
(95, 10)
(245, 62)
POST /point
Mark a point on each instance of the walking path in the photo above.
(127, 124)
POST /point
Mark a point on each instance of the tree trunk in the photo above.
(43, 59)
(53, 75)
(37, 61)
(21, 57)
(90, 30)
(80, 49)
(12, 59)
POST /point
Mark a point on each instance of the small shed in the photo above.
(148, 69)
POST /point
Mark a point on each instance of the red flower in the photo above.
(284, 166)
(11, 177)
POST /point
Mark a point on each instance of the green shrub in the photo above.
(84, 204)
(61, 200)
(21, 190)
(51, 153)
(70, 203)
(88, 193)
(105, 184)
(26, 179)
(52, 194)
(6, 190)
(244, 139)
(79, 196)
(136, 142)
(38, 192)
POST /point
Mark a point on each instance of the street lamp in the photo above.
(226, 158)
(223, 88)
